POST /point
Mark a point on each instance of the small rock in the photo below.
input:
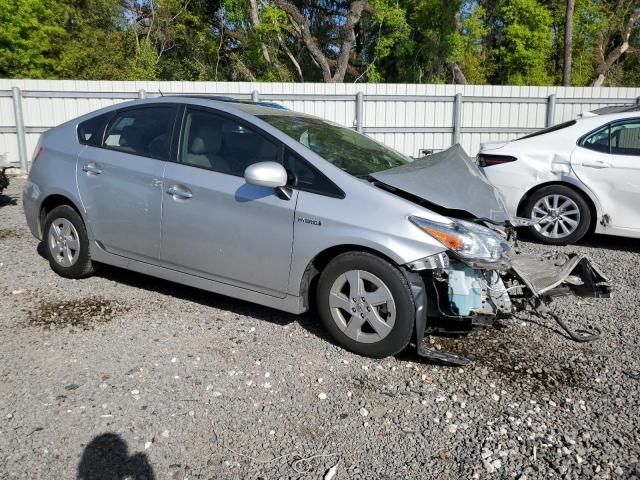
(497, 463)
(618, 471)
(489, 467)
(147, 445)
(216, 394)
(322, 396)
(17, 292)
(364, 412)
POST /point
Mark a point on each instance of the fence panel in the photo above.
(410, 118)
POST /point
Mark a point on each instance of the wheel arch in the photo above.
(318, 263)
(591, 202)
(52, 201)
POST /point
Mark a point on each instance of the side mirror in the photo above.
(266, 174)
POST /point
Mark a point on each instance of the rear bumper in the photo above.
(31, 200)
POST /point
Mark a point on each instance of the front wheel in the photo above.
(366, 304)
(562, 213)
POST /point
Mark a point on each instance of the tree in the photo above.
(347, 34)
(30, 38)
(615, 41)
(568, 43)
(523, 43)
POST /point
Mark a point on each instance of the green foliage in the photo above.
(30, 38)
(438, 41)
(523, 56)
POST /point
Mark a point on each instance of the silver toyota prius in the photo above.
(292, 212)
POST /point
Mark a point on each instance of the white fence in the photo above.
(410, 118)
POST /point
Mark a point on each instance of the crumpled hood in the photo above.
(451, 180)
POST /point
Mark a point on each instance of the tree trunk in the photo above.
(458, 75)
(356, 9)
(568, 43)
(255, 21)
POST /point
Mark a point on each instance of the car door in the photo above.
(608, 162)
(120, 180)
(214, 224)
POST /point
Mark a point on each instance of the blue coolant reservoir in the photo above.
(465, 290)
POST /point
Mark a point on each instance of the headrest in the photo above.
(128, 136)
(205, 142)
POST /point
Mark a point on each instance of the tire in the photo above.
(388, 304)
(568, 214)
(66, 243)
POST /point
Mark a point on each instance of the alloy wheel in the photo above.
(558, 216)
(64, 242)
(362, 306)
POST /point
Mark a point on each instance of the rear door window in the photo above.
(625, 138)
(142, 131)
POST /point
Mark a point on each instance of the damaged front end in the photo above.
(481, 278)
(454, 296)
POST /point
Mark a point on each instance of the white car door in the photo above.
(608, 162)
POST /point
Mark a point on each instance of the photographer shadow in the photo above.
(106, 457)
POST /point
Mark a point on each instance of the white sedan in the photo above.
(572, 178)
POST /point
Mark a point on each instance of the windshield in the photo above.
(353, 152)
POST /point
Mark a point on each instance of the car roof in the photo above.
(597, 120)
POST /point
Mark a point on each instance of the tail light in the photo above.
(37, 153)
(486, 160)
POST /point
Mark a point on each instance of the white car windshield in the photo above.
(353, 152)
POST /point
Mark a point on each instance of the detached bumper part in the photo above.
(557, 274)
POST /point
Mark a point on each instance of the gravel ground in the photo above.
(132, 375)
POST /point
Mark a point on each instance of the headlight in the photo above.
(471, 242)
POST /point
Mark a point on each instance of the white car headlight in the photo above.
(469, 241)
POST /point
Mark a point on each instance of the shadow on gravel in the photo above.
(83, 313)
(106, 457)
(209, 299)
(607, 242)
(6, 200)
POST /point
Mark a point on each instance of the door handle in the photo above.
(91, 169)
(180, 192)
(595, 164)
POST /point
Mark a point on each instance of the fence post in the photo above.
(255, 96)
(359, 112)
(551, 110)
(142, 93)
(457, 115)
(20, 133)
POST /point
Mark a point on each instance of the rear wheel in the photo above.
(366, 304)
(66, 243)
(562, 213)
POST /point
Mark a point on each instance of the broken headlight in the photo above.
(470, 242)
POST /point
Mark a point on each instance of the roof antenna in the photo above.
(161, 94)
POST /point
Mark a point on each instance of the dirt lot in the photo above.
(143, 378)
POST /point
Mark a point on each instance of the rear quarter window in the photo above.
(90, 131)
